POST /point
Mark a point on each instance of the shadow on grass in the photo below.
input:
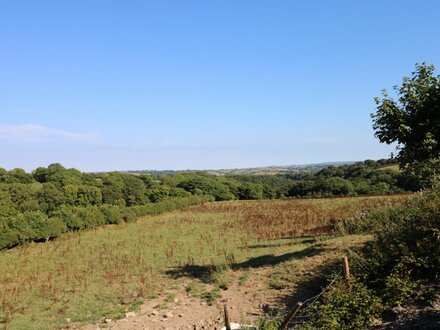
(203, 272)
(295, 241)
(271, 260)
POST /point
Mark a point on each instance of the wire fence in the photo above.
(303, 306)
(299, 313)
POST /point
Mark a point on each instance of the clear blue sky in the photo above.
(114, 85)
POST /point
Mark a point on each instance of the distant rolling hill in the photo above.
(267, 170)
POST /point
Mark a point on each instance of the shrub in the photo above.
(207, 185)
(400, 288)
(76, 218)
(269, 324)
(112, 214)
(129, 215)
(407, 240)
(37, 226)
(158, 194)
(345, 308)
(8, 237)
(250, 191)
(403, 261)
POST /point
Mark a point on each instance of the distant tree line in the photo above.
(362, 178)
(49, 201)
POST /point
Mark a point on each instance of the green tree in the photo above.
(42, 174)
(250, 191)
(112, 190)
(158, 194)
(146, 179)
(301, 188)
(197, 184)
(333, 186)
(88, 195)
(23, 197)
(412, 121)
(70, 194)
(21, 176)
(50, 198)
(134, 190)
(7, 207)
(4, 175)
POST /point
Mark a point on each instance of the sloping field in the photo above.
(196, 253)
(390, 167)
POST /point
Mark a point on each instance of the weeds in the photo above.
(244, 277)
(170, 297)
(271, 219)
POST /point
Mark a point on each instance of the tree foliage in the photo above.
(412, 121)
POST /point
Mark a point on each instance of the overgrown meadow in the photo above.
(86, 276)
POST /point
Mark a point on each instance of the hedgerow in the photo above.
(399, 266)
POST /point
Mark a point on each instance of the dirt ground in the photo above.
(246, 303)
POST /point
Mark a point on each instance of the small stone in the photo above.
(180, 315)
(155, 313)
(130, 314)
(108, 320)
(176, 300)
(168, 315)
(68, 320)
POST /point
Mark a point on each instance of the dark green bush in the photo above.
(400, 288)
(129, 215)
(343, 307)
(207, 185)
(9, 237)
(250, 191)
(112, 214)
(158, 194)
(39, 226)
(406, 240)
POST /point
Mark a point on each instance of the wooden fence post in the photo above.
(290, 316)
(346, 271)
(227, 321)
(346, 268)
